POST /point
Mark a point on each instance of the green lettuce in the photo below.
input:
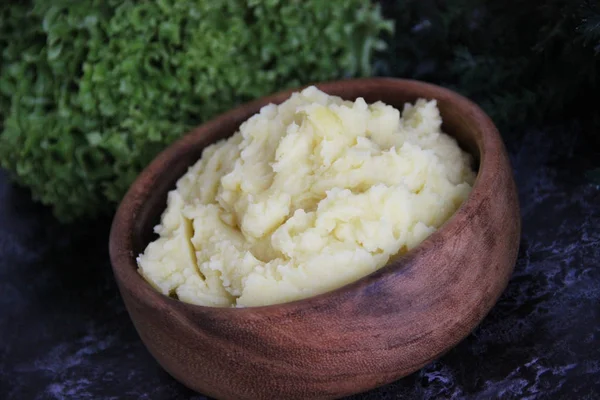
(91, 90)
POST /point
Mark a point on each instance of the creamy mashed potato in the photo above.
(308, 196)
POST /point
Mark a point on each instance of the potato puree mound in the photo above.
(308, 196)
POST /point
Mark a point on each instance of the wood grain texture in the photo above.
(363, 335)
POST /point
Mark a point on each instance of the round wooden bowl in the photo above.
(363, 335)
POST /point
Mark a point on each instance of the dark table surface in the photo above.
(65, 334)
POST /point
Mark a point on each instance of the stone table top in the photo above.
(65, 334)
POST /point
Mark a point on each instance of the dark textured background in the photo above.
(64, 332)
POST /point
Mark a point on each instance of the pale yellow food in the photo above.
(307, 197)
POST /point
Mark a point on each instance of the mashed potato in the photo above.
(308, 196)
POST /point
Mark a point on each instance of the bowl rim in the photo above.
(123, 260)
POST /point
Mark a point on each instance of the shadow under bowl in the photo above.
(363, 335)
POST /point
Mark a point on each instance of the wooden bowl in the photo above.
(363, 335)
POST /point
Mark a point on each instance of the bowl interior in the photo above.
(455, 123)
